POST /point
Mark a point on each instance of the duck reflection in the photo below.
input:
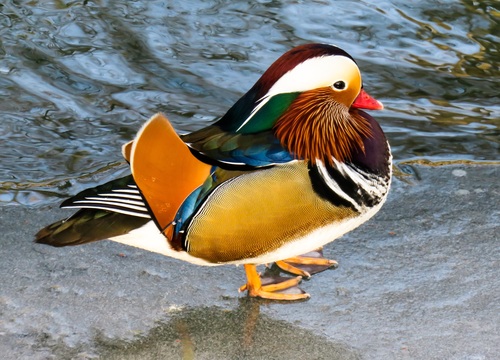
(217, 333)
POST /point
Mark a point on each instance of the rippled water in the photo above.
(78, 78)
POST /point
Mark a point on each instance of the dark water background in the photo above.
(78, 78)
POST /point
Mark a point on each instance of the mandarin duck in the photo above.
(293, 165)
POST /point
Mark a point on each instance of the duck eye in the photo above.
(339, 85)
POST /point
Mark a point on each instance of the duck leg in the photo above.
(273, 291)
(307, 264)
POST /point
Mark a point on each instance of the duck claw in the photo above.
(272, 287)
(307, 264)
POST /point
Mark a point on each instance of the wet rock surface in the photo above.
(419, 281)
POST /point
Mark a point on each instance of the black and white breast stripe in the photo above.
(347, 185)
(126, 201)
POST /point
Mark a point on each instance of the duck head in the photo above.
(309, 97)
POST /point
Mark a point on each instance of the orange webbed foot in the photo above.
(272, 288)
(307, 264)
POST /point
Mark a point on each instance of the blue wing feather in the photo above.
(218, 147)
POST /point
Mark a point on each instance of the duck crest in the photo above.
(257, 104)
(317, 127)
(290, 60)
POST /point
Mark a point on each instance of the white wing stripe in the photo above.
(124, 196)
(115, 210)
(112, 203)
(126, 191)
(113, 200)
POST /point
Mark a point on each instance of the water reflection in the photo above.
(214, 333)
(78, 78)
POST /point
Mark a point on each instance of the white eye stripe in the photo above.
(314, 73)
